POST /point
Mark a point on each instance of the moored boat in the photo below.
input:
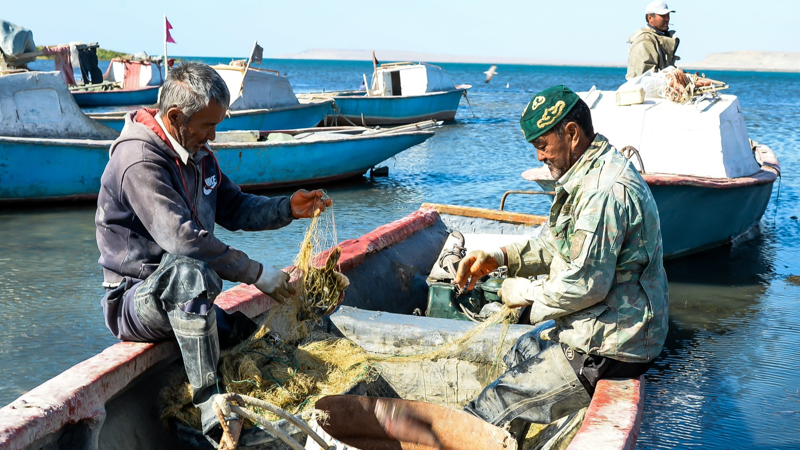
(126, 82)
(711, 183)
(400, 93)
(107, 401)
(260, 100)
(38, 112)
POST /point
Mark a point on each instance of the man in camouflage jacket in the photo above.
(603, 284)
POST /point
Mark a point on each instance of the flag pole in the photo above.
(166, 59)
(247, 66)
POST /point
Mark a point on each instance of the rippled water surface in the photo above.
(727, 378)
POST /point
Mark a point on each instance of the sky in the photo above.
(570, 30)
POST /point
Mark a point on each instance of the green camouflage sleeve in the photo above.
(584, 277)
(532, 258)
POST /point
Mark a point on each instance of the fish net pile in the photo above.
(682, 87)
(287, 363)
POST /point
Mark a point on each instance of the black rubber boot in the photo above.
(199, 342)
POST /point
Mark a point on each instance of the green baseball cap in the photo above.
(546, 109)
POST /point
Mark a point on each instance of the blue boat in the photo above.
(260, 100)
(303, 115)
(37, 164)
(711, 183)
(126, 82)
(118, 97)
(400, 93)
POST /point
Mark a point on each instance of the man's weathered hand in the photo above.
(515, 292)
(275, 283)
(475, 265)
(306, 203)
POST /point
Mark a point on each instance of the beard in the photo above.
(555, 172)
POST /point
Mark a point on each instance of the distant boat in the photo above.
(711, 183)
(260, 100)
(400, 93)
(108, 401)
(126, 82)
(50, 151)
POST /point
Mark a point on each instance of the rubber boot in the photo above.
(199, 342)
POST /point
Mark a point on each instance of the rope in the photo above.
(225, 404)
(464, 93)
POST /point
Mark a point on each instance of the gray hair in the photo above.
(191, 87)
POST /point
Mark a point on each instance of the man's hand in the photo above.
(476, 264)
(306, 203)
(275, 283)
(514, 292)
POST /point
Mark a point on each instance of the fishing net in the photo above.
(284, 363)
(290, 366)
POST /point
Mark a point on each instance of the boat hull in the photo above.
(71, 169)
(145, 96)
(107, 400)
(305, 115)
(698, 218)
(396, 110)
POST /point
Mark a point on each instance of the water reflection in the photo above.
(726, 375)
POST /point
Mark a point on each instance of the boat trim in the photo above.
(770, 171)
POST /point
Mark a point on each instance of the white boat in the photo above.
(711, 183)
(400, 93)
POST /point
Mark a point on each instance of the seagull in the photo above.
(490, 73)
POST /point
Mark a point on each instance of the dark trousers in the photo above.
(176, 302)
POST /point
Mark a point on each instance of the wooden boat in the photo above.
(712, 183)
(107, 401)
(32, 130)
(400, 93)
(260, 100)
(126, 82)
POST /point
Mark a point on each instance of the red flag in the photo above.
(167, 27)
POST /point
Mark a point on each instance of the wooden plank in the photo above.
(483, 213)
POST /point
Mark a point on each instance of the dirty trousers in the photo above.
(540, 385)
(176, 302)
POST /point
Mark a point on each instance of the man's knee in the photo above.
(180, 279)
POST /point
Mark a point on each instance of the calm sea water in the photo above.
(728, 375)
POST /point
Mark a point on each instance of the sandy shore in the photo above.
(742, 60)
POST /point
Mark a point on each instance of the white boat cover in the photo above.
(415, 79)
(708, 139)
(262, 89)
(39, 105)
(141, 73)
(16, 40)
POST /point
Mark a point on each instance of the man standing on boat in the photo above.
(161, 194)
(601, 295)
(653, 47)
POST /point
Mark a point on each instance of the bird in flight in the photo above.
(490, 73)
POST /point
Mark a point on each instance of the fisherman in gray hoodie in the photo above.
(162, 193)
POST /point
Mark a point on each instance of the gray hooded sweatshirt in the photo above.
(151, 203)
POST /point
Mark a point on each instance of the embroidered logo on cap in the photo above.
(548, 119)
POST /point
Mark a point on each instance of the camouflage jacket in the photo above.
(651, 50)
(601, 251)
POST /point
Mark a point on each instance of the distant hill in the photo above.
(394, 55)
(102, 54)
(748, 60)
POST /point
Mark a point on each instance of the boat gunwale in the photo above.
(105, 143)
(117, 115)
(769, 172)
(357, 95)
(81, 392)
(113, 91)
